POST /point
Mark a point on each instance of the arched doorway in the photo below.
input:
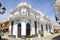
(19, 30)
(27, 29)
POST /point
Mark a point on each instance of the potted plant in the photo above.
(52, 32)
(41, 33)
(56, 31)
(30, 37)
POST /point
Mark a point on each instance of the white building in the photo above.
(25, 20)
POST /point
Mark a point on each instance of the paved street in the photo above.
(50, 37)
(56, 38)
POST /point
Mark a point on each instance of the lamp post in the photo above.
(2, 11)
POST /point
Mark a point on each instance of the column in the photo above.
(9, 29)
(44, 30)
(48, 30)
(37, 27)
(23, 29)
(15, 30)
(32, 28)
(52, 28)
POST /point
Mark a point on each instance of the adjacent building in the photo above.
(57, 7)
(4, 28)
(25, 21)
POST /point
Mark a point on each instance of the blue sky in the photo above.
(45, 6)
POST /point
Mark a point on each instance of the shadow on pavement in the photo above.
(4, 39)
(56, 38)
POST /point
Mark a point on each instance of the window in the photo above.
(1, 25)
(35, 27)
(12, 27)
(12, 23)
(41, 27)
(59, 23)
(23, 11)
(46, 27)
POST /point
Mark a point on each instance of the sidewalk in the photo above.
(49, 37)
(41, 38)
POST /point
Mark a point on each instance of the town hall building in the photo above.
(25, 21)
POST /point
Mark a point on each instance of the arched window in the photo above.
(46, 27)
(12, 23)
(35, 27)
(41, 27)
(27, 29)
(19, 30)
(12, 27)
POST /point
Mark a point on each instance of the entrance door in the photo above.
(19, 30)
(27, 29)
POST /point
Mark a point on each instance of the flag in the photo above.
(19, 9)
(56, 18)
(23, 6)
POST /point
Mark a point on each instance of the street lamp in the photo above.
(3, 9)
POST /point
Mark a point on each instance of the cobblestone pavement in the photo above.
(41, 38)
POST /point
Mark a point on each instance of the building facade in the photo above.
(57, 7)
(25, 21)
(4, 26)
